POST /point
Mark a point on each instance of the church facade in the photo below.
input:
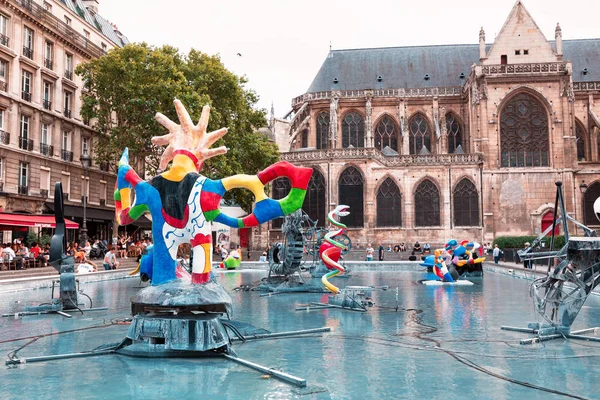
(430, 143)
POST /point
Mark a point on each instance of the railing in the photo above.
(47, 104)
(102, 202)
(23, 189)
(388, 161)
(28, 52)
(26, 96)
(3, 86)
(47, 149)
(4, 137)
(532, 68)
(581, 86)
(69, 74)
(44, 193)
(399, 92)
(67, 113)
(48, 63)
(25, 143)
(66, 155)
(4, 40)
(59, 27)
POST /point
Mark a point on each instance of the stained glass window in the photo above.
(314, 202)
(524, 133)
(580, 135)
(466, 204)
(389, 202)
(281, 188)
(353, 130)
(454, 133)
(420, 135)
(427, 204)
(386, 134)
(322, 130)
(350, 189)
(304, 142)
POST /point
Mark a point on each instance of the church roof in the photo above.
(407, 67)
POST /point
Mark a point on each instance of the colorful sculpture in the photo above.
(232, 261)
(464, 253)
(182, 202)
(331, 250)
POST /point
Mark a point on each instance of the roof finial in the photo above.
(482, 34)
(557, 31)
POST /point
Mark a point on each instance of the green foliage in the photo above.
(128, 85)
(518, 242)
(30, 238)
(44, 239)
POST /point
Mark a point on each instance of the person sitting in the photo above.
(396, 248)
(426, 247)
(8, 255)
(417, 247)
(412, 257)
(22, 255)
(86, 267)
(402, 246)
(36, 254)
(263, 258)
(110, 259)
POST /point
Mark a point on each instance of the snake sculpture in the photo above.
(331, 250)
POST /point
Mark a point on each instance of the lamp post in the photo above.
(582, 188)
(85, 164)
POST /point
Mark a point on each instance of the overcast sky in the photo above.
(283, 43)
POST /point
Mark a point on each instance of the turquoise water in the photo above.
(444, 343)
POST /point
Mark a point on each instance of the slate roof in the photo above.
(405, 67)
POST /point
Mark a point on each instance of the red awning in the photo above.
(39, 221)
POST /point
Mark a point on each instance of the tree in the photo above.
(128, 85)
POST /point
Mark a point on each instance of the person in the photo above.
(496, 253)
(263, 258)
(381, 251)
(389, 249)
(426, 247)
(8, 255)
(110, 259)
(402, 246)
(224, 253)
(412, 256)
(526, 263)
(486, 248)
(370, 252)
(417, 247)
(86, 267)
(22, 255)
(396, 248)
(35, 253)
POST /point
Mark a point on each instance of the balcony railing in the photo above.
(67, 113)
(362, 153)
(47, 149)
(66, 155)
(4, 137)
(25, 143)
(23, 189)
(48, 63)
(102, 202)
(44, 193)
(26, 96)
(28, 52)
(3, 86)
(47, 104)
(4, 40)
(69, 74)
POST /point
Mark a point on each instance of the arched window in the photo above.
(427, 204)
(524, 133)
(314, 202)
(386, 134)
(420, 136)
(580, 135)
(388, 204)
(350, 189)
(466, 204)
(590, 196)
(454, 133)
(322, 130)
(353, 130)
(304, 139)
(281, 188)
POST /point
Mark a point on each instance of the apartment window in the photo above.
(1, 119)
(104, 47)
(28, 42)
(66, 141)
(66, 184)
(23, 177)
(67, 104)
(48, 54)
(102, 193)
(47, 6)
(25, 127)
(85, 145)
(67, 20)
(46, 133)
(69, 67)
(26, 85)
(2, 170)
(45, 180)
(3, 30)
(3, 74)
(47, 95)
(87, 187)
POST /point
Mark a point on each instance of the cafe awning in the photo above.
(38, 221)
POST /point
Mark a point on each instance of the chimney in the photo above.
(91, 5)
(558, 38)
(482, 55)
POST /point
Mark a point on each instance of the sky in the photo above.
(279, 45)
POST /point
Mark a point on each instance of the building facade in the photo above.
(456, 141)
(42, 134)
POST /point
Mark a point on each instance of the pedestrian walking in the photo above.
(496, 254)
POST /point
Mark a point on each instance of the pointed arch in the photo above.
(589, 197)
(466, 203)
(387, 133)
(581, 140)
(353, 130)
(427, 204)
(389, 203)
(314, 202)
(350, 190)
(322, 130)
(419, 133)
(524, 131)
(280, 188)
(454, 131)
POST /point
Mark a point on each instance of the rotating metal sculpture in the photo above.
(331, 249)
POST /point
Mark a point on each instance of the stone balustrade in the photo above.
(584, 86)
(529, 68)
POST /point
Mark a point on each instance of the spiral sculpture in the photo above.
(331, 250)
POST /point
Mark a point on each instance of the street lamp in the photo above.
(85, 164)
(582, 188)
